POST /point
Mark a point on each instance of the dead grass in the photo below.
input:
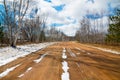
(115, 48)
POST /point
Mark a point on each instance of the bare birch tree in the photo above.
(14, 14)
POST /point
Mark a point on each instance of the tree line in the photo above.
(94, 33)
(113, 36)
(16, 28)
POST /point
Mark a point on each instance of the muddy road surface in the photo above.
(64, 61)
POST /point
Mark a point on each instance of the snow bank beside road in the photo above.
(9, 54)
(106, 50)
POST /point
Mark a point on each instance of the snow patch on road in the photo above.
(80, 49)
(38, 60)
(64, 50)
(30, 68)
(9, 54)
(78, 64)
(7, 71)
(21, 75)
(71, 53)
(64, 56)
(65, 75)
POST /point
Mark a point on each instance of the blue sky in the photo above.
(1, 12)
(48, 1)
(59, 7)
(66, 14)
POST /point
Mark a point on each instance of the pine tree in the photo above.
(42, 36)
(113, 35)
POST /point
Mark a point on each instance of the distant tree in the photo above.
(83, 34)
(113, 35)
(1, 33)
(42, 36)
(34, 29)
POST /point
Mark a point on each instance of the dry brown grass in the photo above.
(112, 47)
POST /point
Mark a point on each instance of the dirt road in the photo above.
(65, 61)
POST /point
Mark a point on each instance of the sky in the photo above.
(65, 15)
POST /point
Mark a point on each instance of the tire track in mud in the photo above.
(66, 58)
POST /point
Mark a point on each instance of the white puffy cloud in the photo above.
(74, 9)
(69, 29)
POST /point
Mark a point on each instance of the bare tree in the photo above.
(34, 29)
(91, 30)
(84, 31)
(14, 14)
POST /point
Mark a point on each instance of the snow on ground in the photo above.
(71, 53)
(79, 49)
(30, 68)
(65, 75)
(64, 50)
(7, 71)
(38, 60)
(106, 50)
(78, 64)
(64, 56)
(21, 75)
(9, 54)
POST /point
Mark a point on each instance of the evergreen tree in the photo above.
(113, 35)
(42, 36)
